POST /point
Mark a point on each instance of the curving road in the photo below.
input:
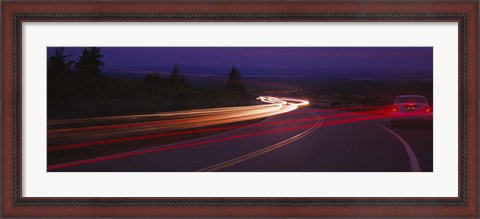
(299, 140)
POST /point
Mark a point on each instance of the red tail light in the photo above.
(394, 109)
(428, 109)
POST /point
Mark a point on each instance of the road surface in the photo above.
(302, 140)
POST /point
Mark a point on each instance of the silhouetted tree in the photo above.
(235, 80)
(57, 69)
(57, 63)
(89, 62)
(153, 81)
(176, 78)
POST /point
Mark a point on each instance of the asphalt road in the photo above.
(304, 140)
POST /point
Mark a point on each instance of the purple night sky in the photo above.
(408, 60)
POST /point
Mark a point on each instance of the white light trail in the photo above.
(169, 121)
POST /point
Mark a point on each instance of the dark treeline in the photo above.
(79, 89)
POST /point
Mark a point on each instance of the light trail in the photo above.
(309, 128)
(187, 132)
(228, 138)
(206, 130)
(191, 118)
(164, 123)
(163, 115)
(176, 146)
(194, 119)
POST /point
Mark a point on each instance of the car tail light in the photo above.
(428, 109)
(394, 109)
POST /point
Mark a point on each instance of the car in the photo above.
(411, 108)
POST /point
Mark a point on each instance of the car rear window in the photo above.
(411, 100)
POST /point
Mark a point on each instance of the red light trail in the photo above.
(195, 119)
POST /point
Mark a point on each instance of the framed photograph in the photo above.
(240, 109)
